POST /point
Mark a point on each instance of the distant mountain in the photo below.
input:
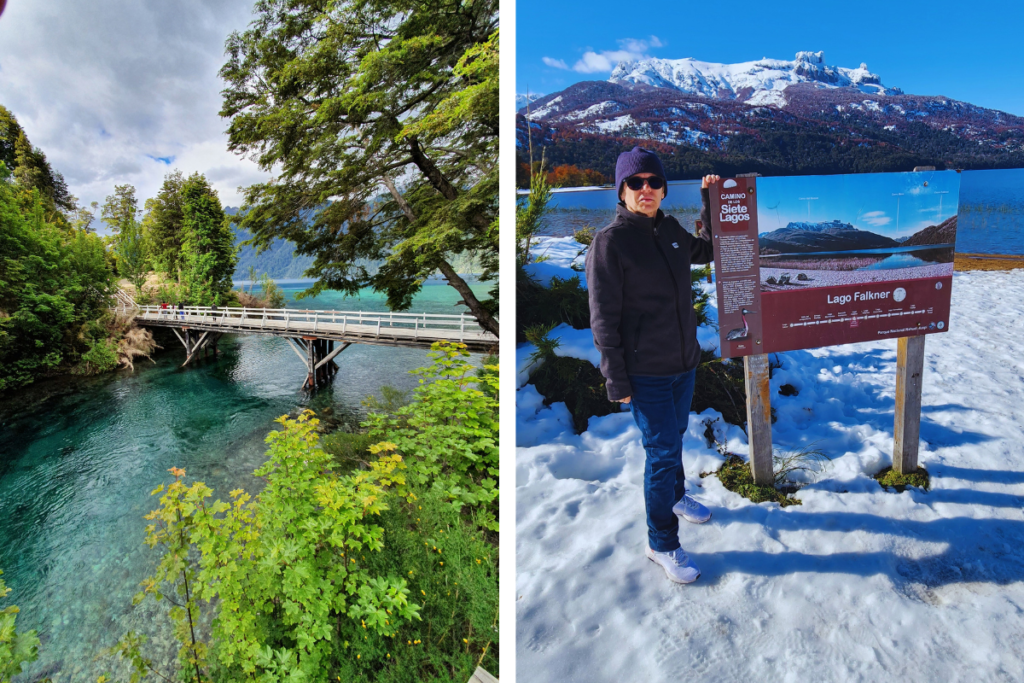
(522, 99)
(799, 237)
(281, 261)
(755, 83)
(943, 233)
(771, 116)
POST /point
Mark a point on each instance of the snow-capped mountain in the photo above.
(771, 116)
(523, 99)
(755, 83)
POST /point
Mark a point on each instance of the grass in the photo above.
(735, 473)
(889, 478)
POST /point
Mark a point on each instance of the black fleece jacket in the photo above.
(638, 276)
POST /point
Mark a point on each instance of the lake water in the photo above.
(991, 217)
(79, 457)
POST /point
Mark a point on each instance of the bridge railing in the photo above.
(439, 324)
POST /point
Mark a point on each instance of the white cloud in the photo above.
(631, 49)
(555, 63)
(639, 46)
(876, 218)
(124, 91)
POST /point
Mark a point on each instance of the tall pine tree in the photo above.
(163, 225)
(207, 244)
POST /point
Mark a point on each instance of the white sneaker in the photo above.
(691, 510)
(676, 564)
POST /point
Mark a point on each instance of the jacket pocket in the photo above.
(636, 335)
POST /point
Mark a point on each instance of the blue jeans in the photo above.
(661, 408)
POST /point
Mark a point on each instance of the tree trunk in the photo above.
(477, 310)
(481, 314)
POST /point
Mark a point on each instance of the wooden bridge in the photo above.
(317, 337)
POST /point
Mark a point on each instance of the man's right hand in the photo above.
(624, 400)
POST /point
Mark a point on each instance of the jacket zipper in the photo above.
(675, 291)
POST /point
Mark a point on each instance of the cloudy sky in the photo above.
(123, 91)
(943, 47)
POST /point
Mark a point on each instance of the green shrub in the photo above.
(348, 450)
(449, 433)
(453, 573)
(390, 401)
(720, 385)
(578, 384)
(16, 648)
(564, 301)
(287, 571)
(101, 357)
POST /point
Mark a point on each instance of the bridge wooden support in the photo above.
(318, 356)
(194, 343)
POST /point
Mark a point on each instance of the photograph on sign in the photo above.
(840, 259)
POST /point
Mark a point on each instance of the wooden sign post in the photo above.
(909, 375)
(759, 418)
(907, 429)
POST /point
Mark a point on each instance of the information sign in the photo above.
(810, 261)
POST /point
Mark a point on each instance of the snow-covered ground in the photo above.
(855, 584)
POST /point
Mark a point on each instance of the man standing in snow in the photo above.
(644, 325)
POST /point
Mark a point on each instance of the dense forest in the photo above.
(774, 149)
(57, 276)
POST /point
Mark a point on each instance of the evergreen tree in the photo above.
(130, 249)
(120, 207)
(380, 118)
(31, 170)
(208, 251)
(163, 225)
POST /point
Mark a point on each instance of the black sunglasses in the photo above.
(636, 183)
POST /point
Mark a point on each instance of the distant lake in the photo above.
(861, 259)
(990, 221)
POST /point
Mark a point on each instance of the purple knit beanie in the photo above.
(638, 160)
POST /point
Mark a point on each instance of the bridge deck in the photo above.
(383, 329)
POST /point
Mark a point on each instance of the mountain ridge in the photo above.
(758, 82)
(815, 128)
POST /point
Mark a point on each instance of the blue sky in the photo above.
(890, 204)
(968, 51)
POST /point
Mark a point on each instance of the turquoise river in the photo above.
(80, 456)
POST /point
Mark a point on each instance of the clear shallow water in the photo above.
(907, 260)
(78, 458)
(991, 217)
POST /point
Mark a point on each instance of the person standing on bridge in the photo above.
(181, 310)
(644, 325)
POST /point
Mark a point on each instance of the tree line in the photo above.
(57, 276)
(181, 233)
(776, 149)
